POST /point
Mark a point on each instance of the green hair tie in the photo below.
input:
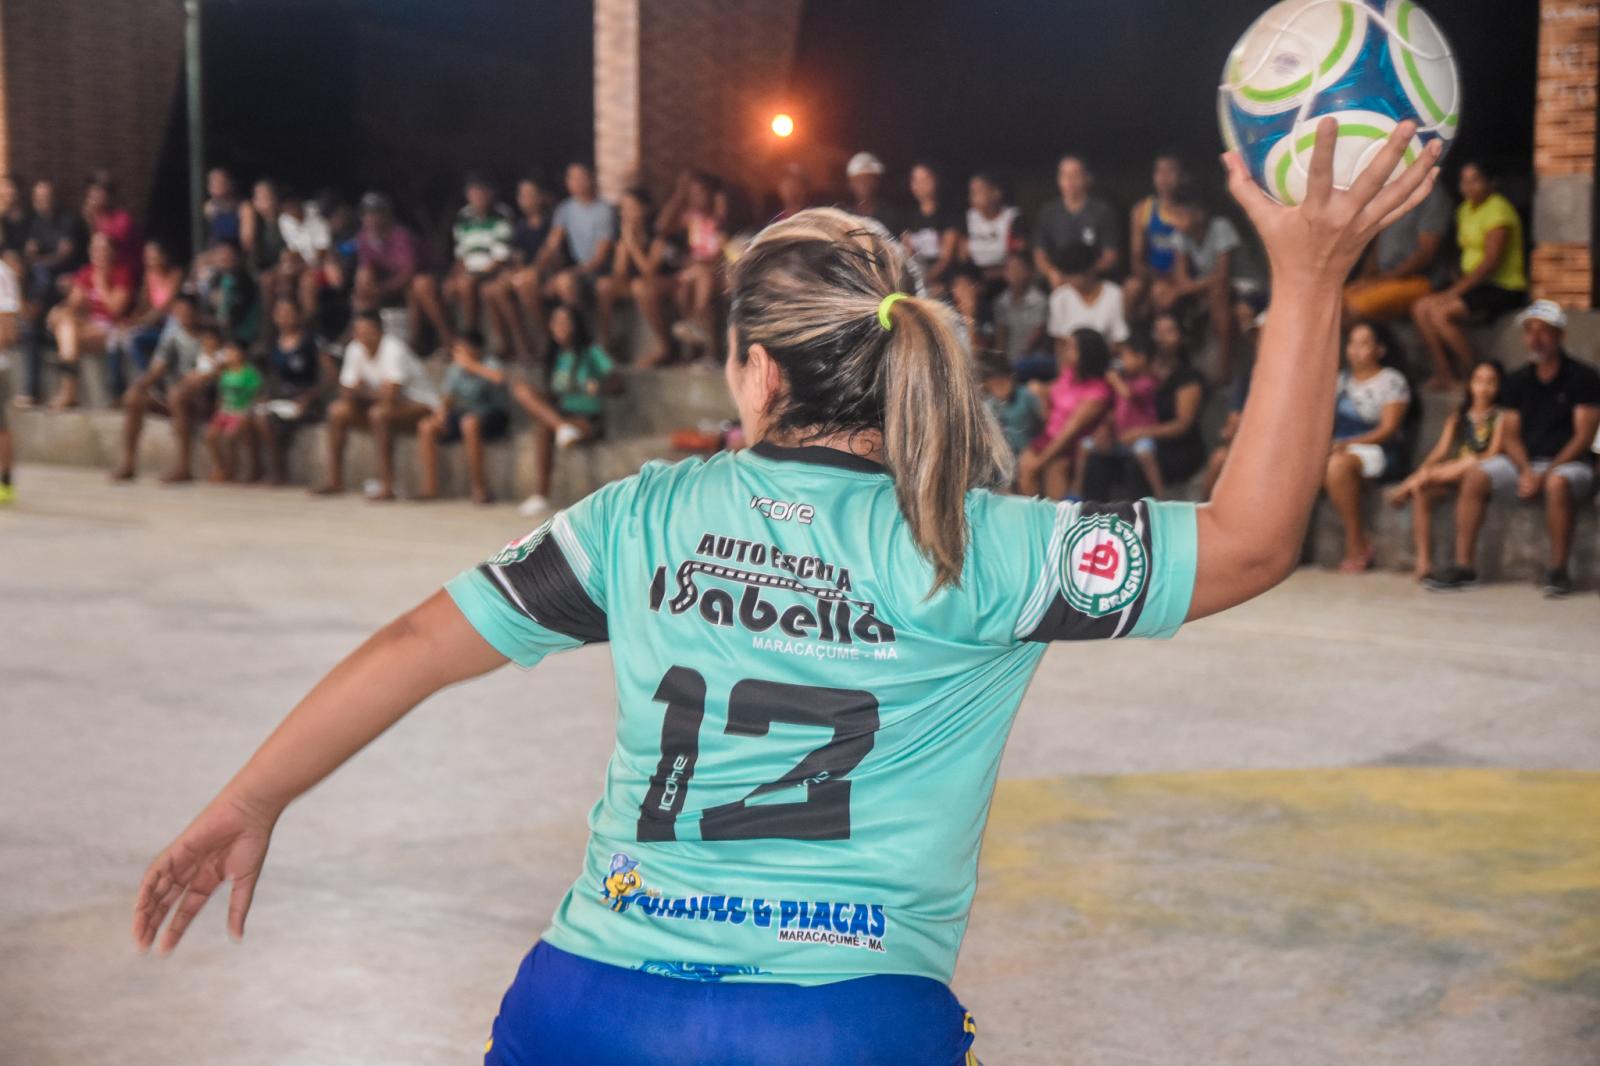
(883, 308)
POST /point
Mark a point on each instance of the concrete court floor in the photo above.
(1348, 823)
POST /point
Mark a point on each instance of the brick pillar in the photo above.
(688, 83)
(1564, 151)
(85, 84)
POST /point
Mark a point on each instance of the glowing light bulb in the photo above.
(782, 125)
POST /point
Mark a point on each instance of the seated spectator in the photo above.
(1552, 408)
(85, 322)
(966, 295)
(307, 239)
(259, 234)
(932, 230)
(1210, 260)
(10, 308)
(1402, 266)
(386, 258)
(231, 433)
(1015, 406)
(864, 175)
(637, 271)
(474, 409)
(991, 233)
(520, 291)
(1369, 440)
(1079, 400)
(794, 192)
(137, 340)
(583, 232)
(102, 214)
(1180, 452)
(180, 383)
(1083, 299)
(1476, 433)
(482, 235)
(14, 220)
(1247, 324)
(697, 219)
(1135, 386)
(1020, 315)
(1493, 281)
(383, 389)
(295, 372)
(1075, 217)
(223, 208)
(51, 251)
(229, 295)
(1153, 236)
(582, 376)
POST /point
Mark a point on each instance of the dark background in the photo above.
(405, 95)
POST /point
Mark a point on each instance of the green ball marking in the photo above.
(1360, 130)
(1347, 29)
(1435, 112)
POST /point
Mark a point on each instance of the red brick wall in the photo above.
(1564, 149)
(695, 86)
(85, 84)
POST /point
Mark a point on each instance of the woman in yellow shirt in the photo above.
(1494, 277)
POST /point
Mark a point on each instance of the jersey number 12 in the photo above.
(752, 708)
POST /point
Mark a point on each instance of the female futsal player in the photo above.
(819, 644)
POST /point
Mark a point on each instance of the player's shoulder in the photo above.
(1001, 522)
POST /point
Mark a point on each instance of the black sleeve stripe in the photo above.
(544, 588)
(1083, 616)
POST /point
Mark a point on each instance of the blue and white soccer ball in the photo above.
(1371, 64)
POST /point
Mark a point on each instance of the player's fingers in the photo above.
(1244, 190)
(1417, 195)
(244, 890)
(1371, 180)
(1403, 187)
(166, 882)
(194, 898)
(1319, 176)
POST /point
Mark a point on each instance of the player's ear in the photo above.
(765, 375)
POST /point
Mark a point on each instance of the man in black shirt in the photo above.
(1552, 409)
(1075, 217)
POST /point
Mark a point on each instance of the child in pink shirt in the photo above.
(1078, 401)
(1134, 386)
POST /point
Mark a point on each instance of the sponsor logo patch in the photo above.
(1103, 565)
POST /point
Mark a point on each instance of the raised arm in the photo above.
(1250, 533)
(401, 665)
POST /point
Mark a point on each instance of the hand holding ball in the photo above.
(1369, 64)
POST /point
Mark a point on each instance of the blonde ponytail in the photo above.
(810, 290)
(938, 436)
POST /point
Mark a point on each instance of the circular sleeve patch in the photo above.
(1104, 565)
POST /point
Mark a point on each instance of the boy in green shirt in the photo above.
(474, 409)
(238, 388)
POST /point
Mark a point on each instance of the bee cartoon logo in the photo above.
(623, 881)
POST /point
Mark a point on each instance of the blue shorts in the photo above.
(562, 1008)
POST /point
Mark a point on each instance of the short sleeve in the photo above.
(1085, 571)
(1223, 237)
(562, 219)
(1497, 213)
(1118, 331)
(1059, 313)
(546, 592)
(349, 370)
(1395, 388)
(1586, 387)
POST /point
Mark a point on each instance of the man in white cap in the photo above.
(864, 173)
(1552, 409)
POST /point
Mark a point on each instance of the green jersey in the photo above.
(807, 741)
(238, 388)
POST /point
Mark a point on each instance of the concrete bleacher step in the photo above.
(94, 439)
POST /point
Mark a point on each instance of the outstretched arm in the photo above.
(1250, 532)
(405, 662)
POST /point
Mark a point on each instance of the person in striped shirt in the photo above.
(482, 234)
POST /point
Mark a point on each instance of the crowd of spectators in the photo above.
(1101, 335)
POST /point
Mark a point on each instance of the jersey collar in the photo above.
(818, 456)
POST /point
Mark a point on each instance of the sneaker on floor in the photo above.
(8, 495)
(1557, 583)
(1450, 578)
(567, 435)
(534, 506)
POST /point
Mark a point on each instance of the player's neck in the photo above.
(864, 444)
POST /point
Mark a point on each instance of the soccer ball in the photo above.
(1371, 64)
